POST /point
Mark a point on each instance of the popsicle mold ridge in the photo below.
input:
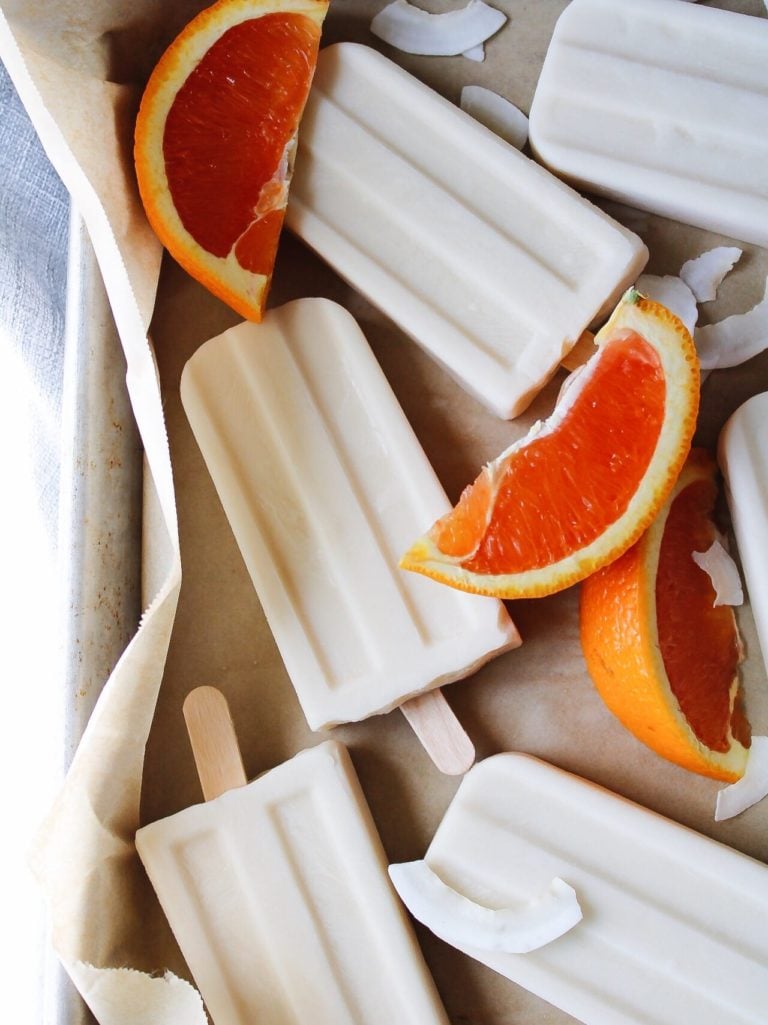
(278, 895)
(674, 922)
(324, 484)
(482, 256)
(662, 105)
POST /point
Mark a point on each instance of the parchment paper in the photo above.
(79, 68)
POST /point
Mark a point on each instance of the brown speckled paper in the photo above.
(536, 699)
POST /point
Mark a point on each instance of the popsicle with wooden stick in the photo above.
(324, 483)
(277, 890)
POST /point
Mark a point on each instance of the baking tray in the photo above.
(100, 518)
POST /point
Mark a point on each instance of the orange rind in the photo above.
(661, 654)
(582, 487)
(215, 138)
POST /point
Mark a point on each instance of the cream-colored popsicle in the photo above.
(743, 458)
(483, 257)
(673, 926)
(277, 893)
(662, 105)
(324, 484)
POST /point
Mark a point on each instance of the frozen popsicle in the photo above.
(324, 482)
(743, 458)
(277, 891)
(480, 255)
(674, 924)
(662, 105)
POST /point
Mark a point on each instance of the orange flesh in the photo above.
(252, 83)
(700, 662)
(559, 493)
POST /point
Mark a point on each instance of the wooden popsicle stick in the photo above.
(214, 742)
(581, 352)
(441, 734)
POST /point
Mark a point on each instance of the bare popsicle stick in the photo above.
(441, 734)
(214, 742)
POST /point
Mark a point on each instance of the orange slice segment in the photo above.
(215, 139)
(662, 656)
(580, 488)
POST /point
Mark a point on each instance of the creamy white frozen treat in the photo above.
(277, 893)
(481, 256)
(673, 927)
(662, 105)
(743, 458)
(325, 484)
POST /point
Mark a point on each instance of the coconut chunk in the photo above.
(723, 572)
(704, 273)
(751, 788)
(673, 293)
(475, 53)
(414, 30)
(734, 340)
(463, 923)
(496, 113)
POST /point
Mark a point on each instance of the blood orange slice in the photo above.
(663, 657)
(579, 489)
(215, 139)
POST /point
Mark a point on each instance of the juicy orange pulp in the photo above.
(251, 86)
(584, 473)
(699, 645)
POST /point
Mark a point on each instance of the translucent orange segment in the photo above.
(460, 532)
(700, 661)
(227, 130)
(559, 493)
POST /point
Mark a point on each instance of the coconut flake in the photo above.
(734, 340)
(496, 113)
(475, 53)
(462, 923)
(673, 293)
(751, 788)
(704, 273)
(722, 571)
(413, 30)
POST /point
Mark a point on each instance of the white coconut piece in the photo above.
(475, 53)
(751, 788)
(462, 923)
(496, 113)
(704, 273)
(734, 340)
(673, 293)
(723, 572)
(413, 30)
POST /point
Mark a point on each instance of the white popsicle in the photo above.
(743, 458)
(324, 484)
(662, 105)
(483, 257)
(673, 926)
(278, 896)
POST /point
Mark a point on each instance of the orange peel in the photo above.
(582, 487)
(215, 138)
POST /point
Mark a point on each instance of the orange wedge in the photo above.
(662, 656)
(215, 139)
(582, 487)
